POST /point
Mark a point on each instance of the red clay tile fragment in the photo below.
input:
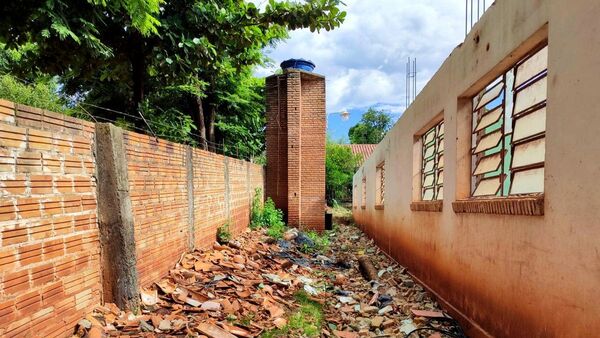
(345, 334)
(428, 314)
(213, 331)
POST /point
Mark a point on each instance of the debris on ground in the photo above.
(255, 286)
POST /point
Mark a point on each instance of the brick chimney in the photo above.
(295, 139)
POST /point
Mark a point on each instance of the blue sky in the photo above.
(364, 60)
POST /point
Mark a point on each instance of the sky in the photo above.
(364, 60)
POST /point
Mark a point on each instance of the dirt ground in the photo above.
(300, 286)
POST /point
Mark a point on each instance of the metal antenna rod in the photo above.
(466, 16)
(471, 13)
(407, 83)
(415, 80)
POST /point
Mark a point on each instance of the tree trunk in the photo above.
(199, 120)
(209, 120)
(138, 66)
(212, 114)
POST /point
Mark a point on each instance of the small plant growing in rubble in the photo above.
(307, 321)
(273, 219)
(256, 213)
(320, 242)
(267, 216)
(223, 233)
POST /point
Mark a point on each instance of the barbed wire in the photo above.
(222, 148)
(216, 147)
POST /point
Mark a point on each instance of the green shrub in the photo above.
(42, 94)
(267, 216)
(223, 233)
(256, 212)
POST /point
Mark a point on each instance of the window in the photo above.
(380, 191)
(432, 163)
(364, 193)
(508, 131)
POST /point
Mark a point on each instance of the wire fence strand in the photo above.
(222, 148)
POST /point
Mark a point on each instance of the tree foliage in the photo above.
(41, 94)
(372, 127)
(186, 59)
(340, 165)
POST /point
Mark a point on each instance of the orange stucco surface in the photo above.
(504, 275)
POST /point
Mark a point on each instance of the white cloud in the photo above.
(364, 60)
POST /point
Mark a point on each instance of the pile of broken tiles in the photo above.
(246, 287)
(391, 306)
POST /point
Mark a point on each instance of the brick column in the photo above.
(294, 113)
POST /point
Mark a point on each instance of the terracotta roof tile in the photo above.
(364, 149)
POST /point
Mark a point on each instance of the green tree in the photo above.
(41, 94)
(372, 127)
(129, 55)
(340, 165)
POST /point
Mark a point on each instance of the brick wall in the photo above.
(210, 191)
(209, 196)
(157, 185)
(296, 122)
(49, 254)
(50, 267)
(239, 195)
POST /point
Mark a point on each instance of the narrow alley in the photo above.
(256, 286)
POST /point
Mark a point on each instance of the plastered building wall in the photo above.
(295, 137)
(503, 275)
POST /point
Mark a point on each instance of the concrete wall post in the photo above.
(115, 220)
(189, 165)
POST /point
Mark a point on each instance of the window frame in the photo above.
(525, 204)
(380, 186)
(363, 199)
(507, 122)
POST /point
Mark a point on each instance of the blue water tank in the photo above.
(301, 64)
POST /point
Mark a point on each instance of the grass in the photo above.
(304, 322)
(320, 240)
(339, 210)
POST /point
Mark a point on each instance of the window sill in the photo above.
(431, 206)
(379, 207)
(527, 206)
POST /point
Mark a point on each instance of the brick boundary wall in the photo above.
(54, 252)
(162, 176)
(49, 253)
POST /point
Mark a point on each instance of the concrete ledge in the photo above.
(432, 206)
(528, 206)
